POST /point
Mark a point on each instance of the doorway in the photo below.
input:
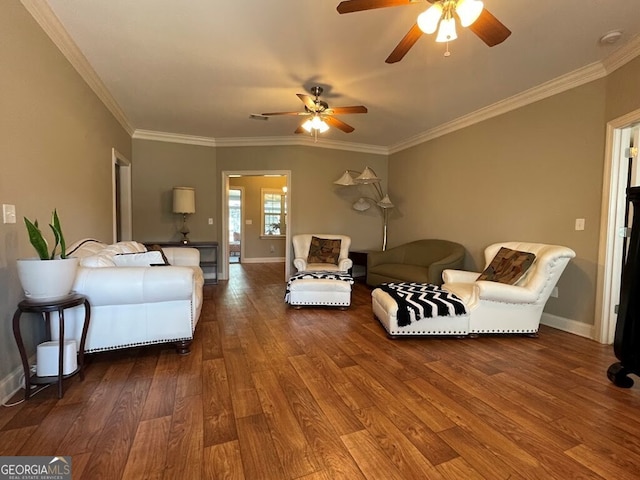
(267, 237)
(236, 222)
(622, 133)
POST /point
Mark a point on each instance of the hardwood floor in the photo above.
(270, 392)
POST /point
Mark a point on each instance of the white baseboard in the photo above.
(13, 382)
(263, 260)
(568, 325)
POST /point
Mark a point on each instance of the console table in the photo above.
(44, 308)
(208, 257)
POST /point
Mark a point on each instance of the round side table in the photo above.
(45, 308)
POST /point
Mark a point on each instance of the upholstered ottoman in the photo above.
(385, 308)
(331, 289)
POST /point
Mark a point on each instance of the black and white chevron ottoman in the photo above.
(419, 309)
(319, 288)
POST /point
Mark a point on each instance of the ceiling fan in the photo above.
(321, 116)
(441, 16)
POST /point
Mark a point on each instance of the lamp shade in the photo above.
(361, 205)
(447, 30)
(367, 176)
(385, 202)
(184, 200)
(469, 11)
(346, 179)
(428, 20)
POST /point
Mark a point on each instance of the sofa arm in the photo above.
(459, 276)
(501, 292)
(437, 268)
(133, 285)
(182, 256)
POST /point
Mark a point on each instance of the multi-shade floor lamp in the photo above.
(369, 177)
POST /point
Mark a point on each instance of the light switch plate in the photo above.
(8, 213)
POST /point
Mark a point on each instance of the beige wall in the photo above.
(525, 175)
(160, 166)
(317, 205)
(55, 147)
(623, 90)
(254, 245)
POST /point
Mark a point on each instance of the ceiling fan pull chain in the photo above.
(447, 53)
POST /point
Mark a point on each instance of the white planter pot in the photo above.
(47, 279)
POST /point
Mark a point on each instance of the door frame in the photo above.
(224, 273)
(121, 188)
(611, 218)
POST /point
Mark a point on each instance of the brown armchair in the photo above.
(420, 261)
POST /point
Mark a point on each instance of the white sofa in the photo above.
(133, 303)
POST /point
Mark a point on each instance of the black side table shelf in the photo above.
(208, 257)
(45, 308)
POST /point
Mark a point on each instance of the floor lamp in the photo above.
(184, 203)
(369, 177)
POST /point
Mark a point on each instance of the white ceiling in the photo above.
(201, 67)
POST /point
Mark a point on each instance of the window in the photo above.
(274, 214)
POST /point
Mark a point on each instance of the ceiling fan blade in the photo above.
(405, 44)
(489, 29)
(334, 122)
(349, 6)
(308, 101)
(300, 130)
(269, 114)
(346, 110)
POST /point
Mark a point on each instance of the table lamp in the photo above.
(184, 203)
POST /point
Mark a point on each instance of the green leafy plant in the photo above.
(40, 243)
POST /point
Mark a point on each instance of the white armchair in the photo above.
(500, 308)
(302, 244)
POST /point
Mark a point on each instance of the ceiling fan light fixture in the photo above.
(469, 11)
(428, 20)
(315, 123)
(308, 125)
(447, 30)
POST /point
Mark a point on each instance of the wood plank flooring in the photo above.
(271, 392)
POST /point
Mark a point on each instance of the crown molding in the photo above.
(622, 55)
(47, 20)
(553, 87)
(302, 140)
(173, 138)
(44, 16)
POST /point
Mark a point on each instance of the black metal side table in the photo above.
(45, 308)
